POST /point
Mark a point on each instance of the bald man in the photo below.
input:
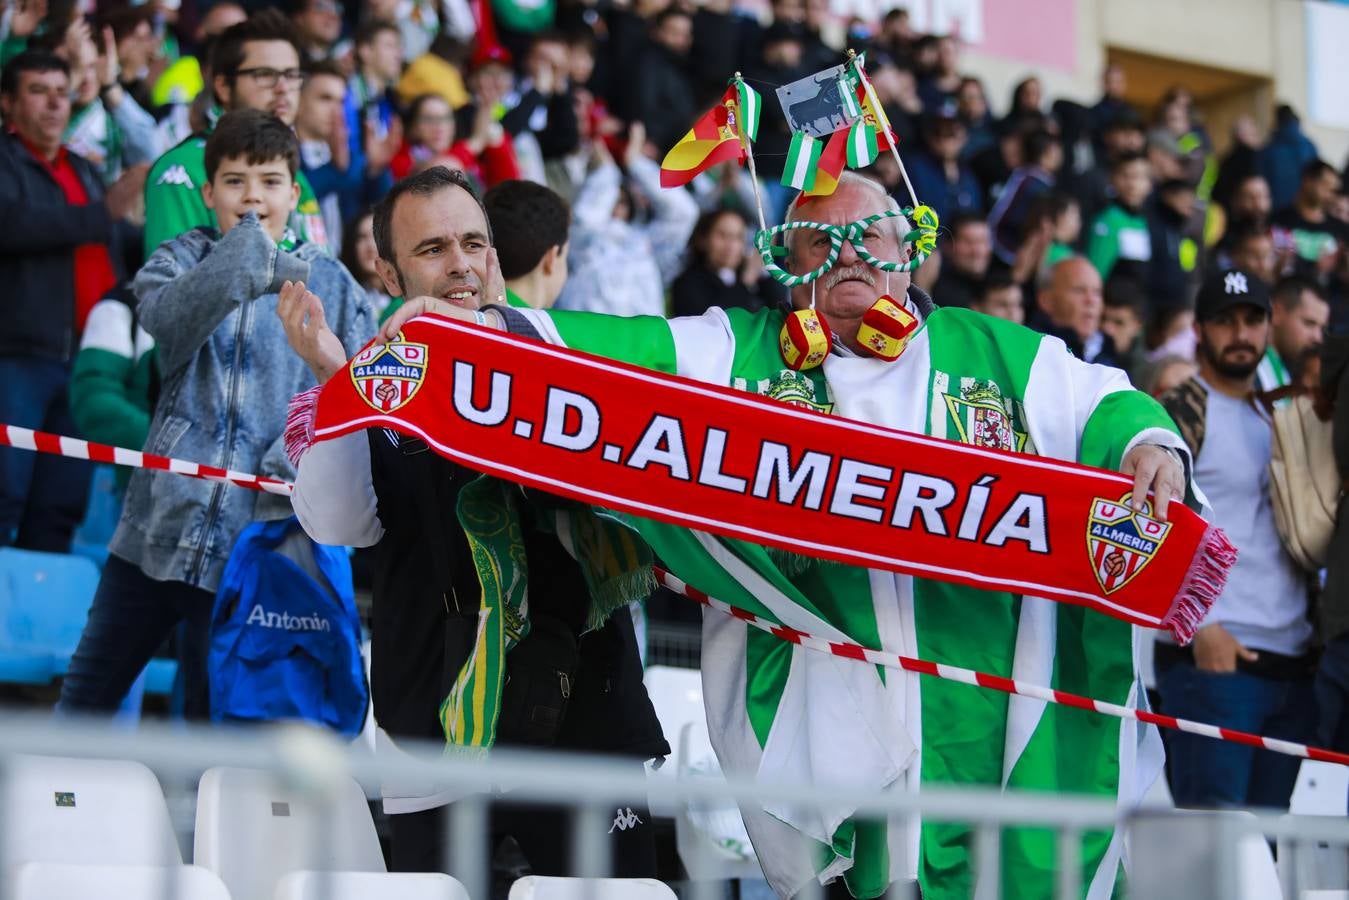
(1069, 300)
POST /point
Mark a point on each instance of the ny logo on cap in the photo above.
(1235, 283)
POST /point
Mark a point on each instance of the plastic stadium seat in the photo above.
(159, 675)
(251, 831)
(1322, 789)
(86, 811)
(677, 695)
(537, 887)
(1174, 854)
(369, 886)
(69, 881)
(44, 602)
(1314, 865)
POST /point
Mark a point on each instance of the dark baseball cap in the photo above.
(1228, 288)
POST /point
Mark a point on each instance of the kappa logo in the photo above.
(388, 376)
(1122, 542)
(176, 175)
(625, 819)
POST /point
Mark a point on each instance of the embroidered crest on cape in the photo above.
(983, 417)
(793, 387)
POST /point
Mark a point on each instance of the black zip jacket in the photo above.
(39, 232)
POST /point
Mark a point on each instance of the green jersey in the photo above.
(173, 201)
(1118, 235)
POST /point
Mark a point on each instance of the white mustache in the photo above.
(855, 271)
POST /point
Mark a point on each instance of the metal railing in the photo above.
(311, 764)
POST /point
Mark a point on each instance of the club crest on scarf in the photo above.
(981, 417)
(1122, 542)
(389, 375)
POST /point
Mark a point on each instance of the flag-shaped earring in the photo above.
(886, 328)
(804, 339)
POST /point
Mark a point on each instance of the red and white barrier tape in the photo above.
(996, 682)
(41, 441)
(27, 439)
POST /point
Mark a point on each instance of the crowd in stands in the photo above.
(137, 136)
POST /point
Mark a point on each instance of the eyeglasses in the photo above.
(267, 78)
(923, 237)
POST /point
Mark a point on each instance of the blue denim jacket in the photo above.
(228, 374)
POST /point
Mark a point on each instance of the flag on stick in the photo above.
(749, 104)
(830, 166)
(803, 158)
(713, 139)
(862, 150)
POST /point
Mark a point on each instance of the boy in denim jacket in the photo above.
(209, 300)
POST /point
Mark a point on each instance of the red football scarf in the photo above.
(734, 464)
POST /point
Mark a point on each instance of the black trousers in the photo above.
(418, 841)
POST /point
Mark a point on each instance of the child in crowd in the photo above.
(208, 298)
(1120, 236)
(486, 154)
(359, 254)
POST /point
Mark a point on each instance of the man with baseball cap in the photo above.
(1250, 666)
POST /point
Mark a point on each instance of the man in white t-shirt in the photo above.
(1250, 666)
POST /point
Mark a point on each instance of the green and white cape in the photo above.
(784, 713)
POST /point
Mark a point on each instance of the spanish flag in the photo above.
(876, 118)
(713, 139)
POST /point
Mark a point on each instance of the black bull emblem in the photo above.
(825, 105)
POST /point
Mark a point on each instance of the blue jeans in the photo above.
(131, 616)
(1207, 773)
(42, 497)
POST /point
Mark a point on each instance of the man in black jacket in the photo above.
(57, 259)
(391, 491)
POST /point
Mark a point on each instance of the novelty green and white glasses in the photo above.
(923, 237)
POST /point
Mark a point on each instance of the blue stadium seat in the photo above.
(44, 602)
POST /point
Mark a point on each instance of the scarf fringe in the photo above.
(300, 414)
(1203, 584)
(619, 592)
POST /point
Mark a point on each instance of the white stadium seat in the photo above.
(369, 886)
(537, 887)
(70, 881)
(88, 811)
(251, 831)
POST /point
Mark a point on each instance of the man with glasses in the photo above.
(962, 376)
(256, 65)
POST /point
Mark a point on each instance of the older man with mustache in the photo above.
(779, 711)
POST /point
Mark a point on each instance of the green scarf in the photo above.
(614, 561)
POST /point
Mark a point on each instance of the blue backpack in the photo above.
(285, 635)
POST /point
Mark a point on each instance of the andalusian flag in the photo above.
(721, 134)
(777, 711)
(831, 163)
(847, 95)
(803, 158)
(749, 106)
(862, 150)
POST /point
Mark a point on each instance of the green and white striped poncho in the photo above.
(785, 713)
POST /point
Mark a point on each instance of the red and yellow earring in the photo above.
(804, 339)
(886, 328)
